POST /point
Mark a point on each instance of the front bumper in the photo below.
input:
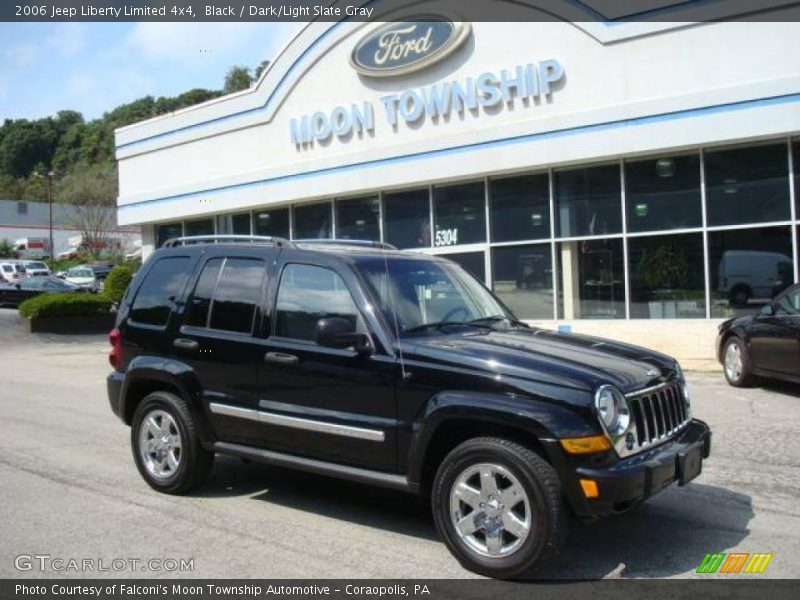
(632, 480)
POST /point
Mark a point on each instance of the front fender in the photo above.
(542, 419)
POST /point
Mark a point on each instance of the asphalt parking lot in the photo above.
(70, 489)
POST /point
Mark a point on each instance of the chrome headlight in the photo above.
(612, 409)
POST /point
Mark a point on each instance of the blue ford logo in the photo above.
(402, 47)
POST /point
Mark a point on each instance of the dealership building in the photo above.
(632, 180)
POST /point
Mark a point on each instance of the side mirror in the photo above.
(18, 286)
(336, 332)
(768, 310)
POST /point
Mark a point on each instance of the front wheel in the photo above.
(166, 445)
(499, 508)
(736, 363)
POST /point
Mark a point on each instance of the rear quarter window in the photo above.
(161, 287)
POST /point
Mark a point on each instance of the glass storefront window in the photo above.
(272, 222)
(588, 201)
(747, 268)
(312, 221)
(523, 279)
(358, 219)
(459, 214)
(665, 274)
(200, 227)
(167, 231)
(406, 218)
(472, 262)
(663, 193)
(591, 279)
(747, 185)
(238, 224)
(520, 208)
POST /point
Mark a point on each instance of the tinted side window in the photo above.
(159, 290)
(308, 294)
(237, 295)
(197, 313)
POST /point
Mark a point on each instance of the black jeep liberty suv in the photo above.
(355, 360)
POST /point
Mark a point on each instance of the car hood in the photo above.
(545, 356)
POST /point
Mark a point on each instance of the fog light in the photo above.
(589, 487)
(586, 445)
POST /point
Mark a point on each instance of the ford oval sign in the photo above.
(402, 47)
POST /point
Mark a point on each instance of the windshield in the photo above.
(429, 294)
(36, 265)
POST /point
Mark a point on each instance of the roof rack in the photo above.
(356, 243)
(216, 239)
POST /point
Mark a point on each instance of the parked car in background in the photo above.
(36, 268)
(766, 344)
(13, 294)
(69, 253)
(83, 277)
(32, 247)
(101, 269)
(11, 271)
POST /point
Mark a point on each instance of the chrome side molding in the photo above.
(361, 433)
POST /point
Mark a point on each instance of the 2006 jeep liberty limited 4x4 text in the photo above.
(355, 360)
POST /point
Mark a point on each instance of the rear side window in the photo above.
(308, 294)
(227, 294)
(158, 292)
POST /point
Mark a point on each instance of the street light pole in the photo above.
(49, 177)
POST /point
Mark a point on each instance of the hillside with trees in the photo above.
(81, 152)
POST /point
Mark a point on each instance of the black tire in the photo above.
(194, 462)
(745, 376)
(549, 516)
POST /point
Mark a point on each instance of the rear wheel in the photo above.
(166, 446)
(499, 508)
(736, 363)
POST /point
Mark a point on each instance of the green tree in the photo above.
(117, 282)
(7, 249)
(262, 66)
(237, 78)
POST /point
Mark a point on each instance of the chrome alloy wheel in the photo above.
(490, 510)
(733, 361)
(160, 444)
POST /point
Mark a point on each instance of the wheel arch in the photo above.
(451, 418)
(170, 376)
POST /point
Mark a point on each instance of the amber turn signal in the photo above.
(586, 445)
(589, 487)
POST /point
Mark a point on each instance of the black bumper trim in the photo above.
(114, 386)
(632, 480)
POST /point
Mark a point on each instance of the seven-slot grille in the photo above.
(658, 413)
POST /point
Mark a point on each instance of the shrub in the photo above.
(117, 282)
(64, 305)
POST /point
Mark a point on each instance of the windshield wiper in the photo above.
(497, 319)
(437, 325)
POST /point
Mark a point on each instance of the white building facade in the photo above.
(631, 180)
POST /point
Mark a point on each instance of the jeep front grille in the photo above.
(657, 413)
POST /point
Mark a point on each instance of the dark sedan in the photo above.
(13, 294)
(766, 344)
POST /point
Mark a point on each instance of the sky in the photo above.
(94, 67)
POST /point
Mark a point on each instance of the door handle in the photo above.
(185, 344)
(281, 358)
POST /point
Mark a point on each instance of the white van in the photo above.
(746, 275)
(11, 271)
